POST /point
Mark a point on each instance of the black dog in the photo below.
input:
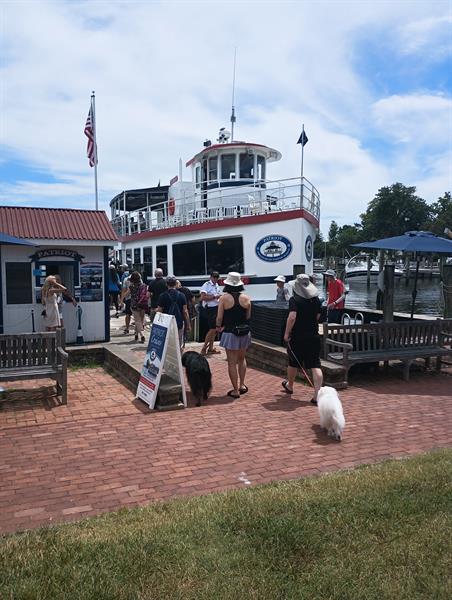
(198, 374)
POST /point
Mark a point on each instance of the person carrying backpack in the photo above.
(174, 303)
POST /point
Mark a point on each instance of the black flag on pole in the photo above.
(303, 139)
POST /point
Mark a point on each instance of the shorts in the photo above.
(229, 341)
(304, 352)
(211, 316)
(127, 309)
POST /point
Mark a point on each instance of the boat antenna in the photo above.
(233, 119)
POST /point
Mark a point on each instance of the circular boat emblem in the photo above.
(273, 248)
(308, 248)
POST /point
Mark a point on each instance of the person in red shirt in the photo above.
(335, 296)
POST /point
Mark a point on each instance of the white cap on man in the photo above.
(280, 278)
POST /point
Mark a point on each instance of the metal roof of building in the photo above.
(56, 224)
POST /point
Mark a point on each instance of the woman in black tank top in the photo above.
(232, 321)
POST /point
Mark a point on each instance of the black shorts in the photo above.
(211, 316)
(127, 308)
(304, 352)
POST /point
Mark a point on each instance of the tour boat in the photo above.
(229, 217)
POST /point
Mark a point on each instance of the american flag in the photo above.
(91, 149)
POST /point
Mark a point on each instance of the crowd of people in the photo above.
(226, 311)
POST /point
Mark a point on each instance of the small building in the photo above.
(73, 244)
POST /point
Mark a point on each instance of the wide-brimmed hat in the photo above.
(303, 287)
(280, 278)
(233, 279)
(330, 272)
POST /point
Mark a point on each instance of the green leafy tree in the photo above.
(332, 238)
(394, 210)
(441, 215)
(319, 246)
(346, 236)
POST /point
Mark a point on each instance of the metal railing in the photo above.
(221, 203)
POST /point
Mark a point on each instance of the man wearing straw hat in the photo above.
(302, 334)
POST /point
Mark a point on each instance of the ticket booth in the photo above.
(73, 244)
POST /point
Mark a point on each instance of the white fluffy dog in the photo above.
(330, 412)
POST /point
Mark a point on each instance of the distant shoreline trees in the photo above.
(394, 210)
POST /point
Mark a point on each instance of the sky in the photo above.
(370, 80)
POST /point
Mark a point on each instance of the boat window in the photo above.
(129, 257)
(246, 166)
(228, 166)
(198, 175)
(213, 168)
(162, 259)
(224, 255)
(260, 167)
(147, 263)
(189, 259)
(18, 283)
(136, 256)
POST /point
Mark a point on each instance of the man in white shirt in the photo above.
(210, 294)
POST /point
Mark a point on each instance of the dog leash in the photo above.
(296, 359)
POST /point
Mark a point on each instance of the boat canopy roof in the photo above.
(270, 154)
(130, 200)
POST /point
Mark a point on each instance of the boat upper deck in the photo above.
(228, 202)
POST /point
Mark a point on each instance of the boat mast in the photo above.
(233, 119)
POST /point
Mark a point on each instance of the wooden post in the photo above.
(369, 266)
(388, 296)
(298, 270)
(447, 290)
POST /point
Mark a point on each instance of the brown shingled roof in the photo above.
(56, 223)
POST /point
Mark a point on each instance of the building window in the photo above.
(201, 258)
(228, 166)
(162, 259)
(213, 168)
(260, 167)
(147, 263)
(224, 255)
(18, 283)
(246, 166)
(189, 259)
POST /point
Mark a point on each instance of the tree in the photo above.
(394, 210)
(346, 236)
(441, 215)
(319, 246)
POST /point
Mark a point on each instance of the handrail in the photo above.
(200, 205)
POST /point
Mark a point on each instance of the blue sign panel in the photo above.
(308, 248)
(273, 248)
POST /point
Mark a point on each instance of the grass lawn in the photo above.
(381, 531)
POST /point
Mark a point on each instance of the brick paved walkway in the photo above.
(104, 450)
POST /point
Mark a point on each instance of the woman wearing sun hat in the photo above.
(302, 334)
(234, 311)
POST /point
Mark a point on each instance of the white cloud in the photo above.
(431, 36)
(162, 74)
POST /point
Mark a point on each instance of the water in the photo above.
(427, 299)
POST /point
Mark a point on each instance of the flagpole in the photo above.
(93, 110)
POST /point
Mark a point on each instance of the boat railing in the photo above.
(221, 203)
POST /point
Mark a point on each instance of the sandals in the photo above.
(243, 389)
(231, 394)
(313, 401)
(214, 351)
(286, 389)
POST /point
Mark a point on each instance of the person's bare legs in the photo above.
(291, 374)
(208, 341)
(232, 356)
(241, 359)
(317, 377)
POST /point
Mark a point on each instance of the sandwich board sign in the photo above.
(162, 356)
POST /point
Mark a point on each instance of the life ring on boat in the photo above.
(171, 206)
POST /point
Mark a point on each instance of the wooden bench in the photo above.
(374, 342)
(35, 356)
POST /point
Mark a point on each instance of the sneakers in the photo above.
(136, 337)
(143, 339)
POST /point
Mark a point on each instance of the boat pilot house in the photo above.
(74, 244)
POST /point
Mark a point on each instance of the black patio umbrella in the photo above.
(421, 242)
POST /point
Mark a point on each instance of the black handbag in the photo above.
(241, 330)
